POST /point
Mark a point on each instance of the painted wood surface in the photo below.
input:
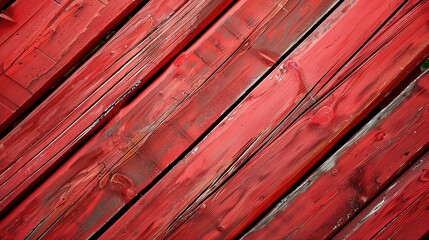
(142, 47)
(119, 148)
(205, 147)
(355, 174)
(273, 170)
(400, 212)
(40, 41)
(205, 168)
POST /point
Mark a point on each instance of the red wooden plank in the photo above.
(273, 170)
(45, 40)
(20, 141)
(6, 104)
(142, 47)
(18, 14)
(355, 174)
(152, 106)
(13, 91)
(156, 212)
(400, 212)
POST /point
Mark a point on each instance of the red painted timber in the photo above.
(141, 48)
(144, 115)
(247, 194)
(40, 41)
(400, 212)
(24, 139)
(355, 174)
(164, 203)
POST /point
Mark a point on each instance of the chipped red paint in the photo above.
(40, 41)
(356, 174)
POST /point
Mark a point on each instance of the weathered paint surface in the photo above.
(400, 212)
(273, 170)
(96, 91)
(124, 147)
(40, 41)
(205, 168)
(354, 175)
(220, 134)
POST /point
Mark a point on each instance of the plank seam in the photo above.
(273, 134)
(45, 96)
(95, 234)
(171, 165)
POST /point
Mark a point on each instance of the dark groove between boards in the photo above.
(108, 113)
(275, 133)
(5, 4)
(308, 173)
(395, 93)
(129, 98)
(127, 206)
(345, 139)
(414, 160)
(342, 140)
(123, 210)
(21, 196)
(78, 64)
(281, 59)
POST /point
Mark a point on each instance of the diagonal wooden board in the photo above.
(94, 93)
(77, 198)
(300, 26)
(40, 41)
(275, 168)
(356, 173)
(400, 212)
(164, 204)
(281, 163)
(133, 119)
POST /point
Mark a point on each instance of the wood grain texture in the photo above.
(122, 159)
(355, 174)
(400, 212)
(41, 41)
(133, 169)
(160, 211)
(238, 202)
(97, 90)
